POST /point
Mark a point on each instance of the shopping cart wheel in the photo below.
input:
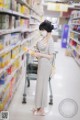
(24, 99)
(51, 100)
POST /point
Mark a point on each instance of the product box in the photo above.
(3, 78)
(4, 26)
(18, 7)
(15, 52)
(14, 5)
(11, 22)
(5, 41)
(1, 3)
(5, 18)
(7, 4)
(15, 38)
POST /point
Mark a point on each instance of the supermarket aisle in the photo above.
(66, 84)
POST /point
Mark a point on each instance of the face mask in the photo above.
(44, 33)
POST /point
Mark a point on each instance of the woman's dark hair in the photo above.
(46, 25)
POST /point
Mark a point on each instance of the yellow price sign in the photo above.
(57, 7)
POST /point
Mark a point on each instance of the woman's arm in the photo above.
(37, 54)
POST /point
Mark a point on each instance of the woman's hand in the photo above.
(37, 54)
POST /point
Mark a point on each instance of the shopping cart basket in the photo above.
(31, 74)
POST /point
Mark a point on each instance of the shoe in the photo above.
(34, 109)
(38, 113)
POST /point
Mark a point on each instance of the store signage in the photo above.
(57, 7)
(64, 36)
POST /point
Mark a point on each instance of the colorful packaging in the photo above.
(1, 3)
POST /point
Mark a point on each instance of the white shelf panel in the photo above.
(7, 49)
(28, 29)
(34, 17)
(20, 29)
(31, 23)
(32, 30)
(3, 32)
(75, 40)
(75, 32)
(75, 24)
(3, 10)
(75, 49)
(75, 18)
(25, 40)
(20, 15)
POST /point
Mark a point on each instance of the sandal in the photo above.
(34, 109)
(38, 113)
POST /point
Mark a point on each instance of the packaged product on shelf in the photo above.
(11, 87)
(78, 48)
(3, 78)
(23, 9)
(11, 22)
(17, 22)
(4, 97)
(1, 3)
(18, 7)
(10, 70)
(5, 41)
(5, 59)
(4, 18)
(7, 4)
(14, 5)
(4, 21)
(78, 28)
(79, 38)
(15, 52)
(15, 38)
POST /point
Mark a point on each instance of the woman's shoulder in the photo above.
(51, 41)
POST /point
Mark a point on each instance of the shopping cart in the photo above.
(31, 74)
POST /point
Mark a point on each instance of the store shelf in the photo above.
(6, 11)
(34, 23)
(34, 17)
(75, 40)
(9, 101)
(12, 61)
(24, 41)
(20, 29)
(3, 32)
(75, 18)
(27, 5)
(75, 32)
(74, 23)
(2, 87)
(77, 61)
(75, 49)
(7, 49)
(20, 15)
(28, 30)
(32, 30)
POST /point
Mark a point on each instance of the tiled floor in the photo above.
(66, 84)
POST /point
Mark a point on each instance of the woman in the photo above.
(44, 54)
